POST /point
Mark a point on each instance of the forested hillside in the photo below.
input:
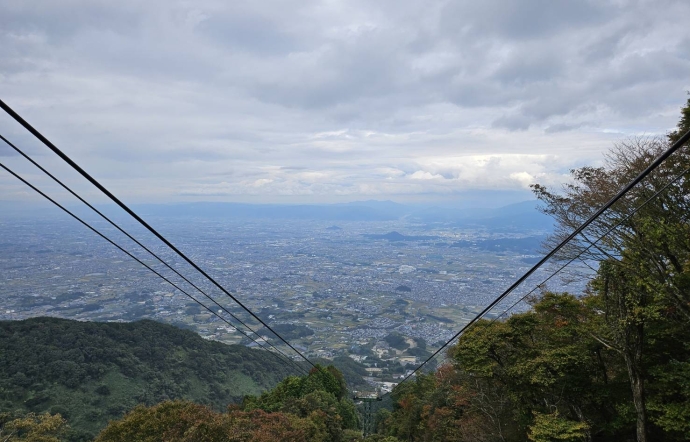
(91, 372)
(609, 364)
(312, 408)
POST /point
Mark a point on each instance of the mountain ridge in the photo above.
(91, 372)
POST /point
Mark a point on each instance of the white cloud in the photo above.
(422, 175)
(524, 178)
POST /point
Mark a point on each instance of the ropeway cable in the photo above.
(611, 229)
(124, 207)
(139, 261)
(129, 236)
(660, 159)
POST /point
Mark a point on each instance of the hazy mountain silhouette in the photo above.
(522, 215)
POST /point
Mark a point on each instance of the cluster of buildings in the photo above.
(347, 287)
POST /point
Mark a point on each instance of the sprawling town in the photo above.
(386, 294)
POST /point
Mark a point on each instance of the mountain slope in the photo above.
(92, 372)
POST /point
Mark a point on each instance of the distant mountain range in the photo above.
(520, 216)
(364, 211)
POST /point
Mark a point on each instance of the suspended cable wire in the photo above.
(611, 229)
(64, 186)
(141, 262)
(124, 207)
(656, 163)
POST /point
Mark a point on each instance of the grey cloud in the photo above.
(536, 65)
(67, 19)
(512, 122)
(562, 127)
(470, 93)
(525, 19)
(682, 49)
(341, 71)
(253, 34)
(7, 151)
(607, 45)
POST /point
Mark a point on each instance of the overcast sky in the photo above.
(313, 101)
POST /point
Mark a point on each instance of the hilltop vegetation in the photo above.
(611, 364)
(313, 408)
(544, 375)
(91, 372)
